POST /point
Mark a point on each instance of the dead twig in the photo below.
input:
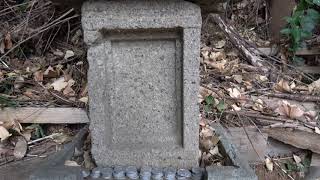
(297, 97)
(277, 119)
(238, 43)
(44, 138)
(42, 29)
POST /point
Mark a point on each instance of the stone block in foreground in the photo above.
(143, 81)
(238, 169)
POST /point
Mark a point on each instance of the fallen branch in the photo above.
(297, 97)
(272, 118)
(296, 138)
(238, 42)
(40, 30)
(44, 138)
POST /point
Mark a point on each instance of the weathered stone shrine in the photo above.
(143, 81)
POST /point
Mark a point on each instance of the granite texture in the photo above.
(238, 169)
(143, 81)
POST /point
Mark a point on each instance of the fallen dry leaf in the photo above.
(311, 115)
(62, 138)
(262, 78)
(88, 162)
(297, 159)
(220, 44)
(27, 134)
(206, 132)
(237, 78)
(314, 87)
(59, 84)
(4, 133)
(68, 54)
(203, 122)
(2, 46)
(283, 86)
(206, 144)
(204, 92)
(8, 41)
(219, 65)
(291, 111)
(50, 73)
(317, 130)
(235, 107)
(68, 91)
(215, 151)
(19, 82)
(234, 92)
(38, 76)
(258, 105)
(20, 149)
(84, 99)
(71, 163)
(217, 56)
(57, 52)
(269, 164)
(13, 124)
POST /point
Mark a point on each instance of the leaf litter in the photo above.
(57, 70)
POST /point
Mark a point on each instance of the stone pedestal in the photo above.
(143, 81)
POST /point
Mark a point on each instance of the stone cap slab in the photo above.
(240, 170)
(140, 14)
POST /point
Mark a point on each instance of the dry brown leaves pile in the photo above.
(238, 94)
(42, 55)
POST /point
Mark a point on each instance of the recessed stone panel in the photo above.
(143, 81)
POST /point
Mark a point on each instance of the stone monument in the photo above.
(143, 81)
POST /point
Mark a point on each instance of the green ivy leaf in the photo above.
(207, 108)
(209, 100)
(316, 2)
(285, 31)
(313, 14)
(309, 2)
(296, 34)
(221, 106)
(305, 34)
(290, 166)
(302, 5)
(299, 61)
(307, 24)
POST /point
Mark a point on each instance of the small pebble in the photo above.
(197, 173)
(119, 172)
(132, 172)
(145, 173)
(106, 173)
(170, 173)
(96, 173)
(183, 174)
(85, 173)
(157, 173)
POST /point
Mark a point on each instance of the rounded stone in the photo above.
(145, 172)
(85, 173)
(157, 173)
(96, 173)
(119, 172)
(184, 173)
(197, 173)
(106, 173)
(170, 173)
(132, 172)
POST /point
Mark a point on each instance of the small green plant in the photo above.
(38, 130)
(6, 102)
(302, 23)
(209, 101)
